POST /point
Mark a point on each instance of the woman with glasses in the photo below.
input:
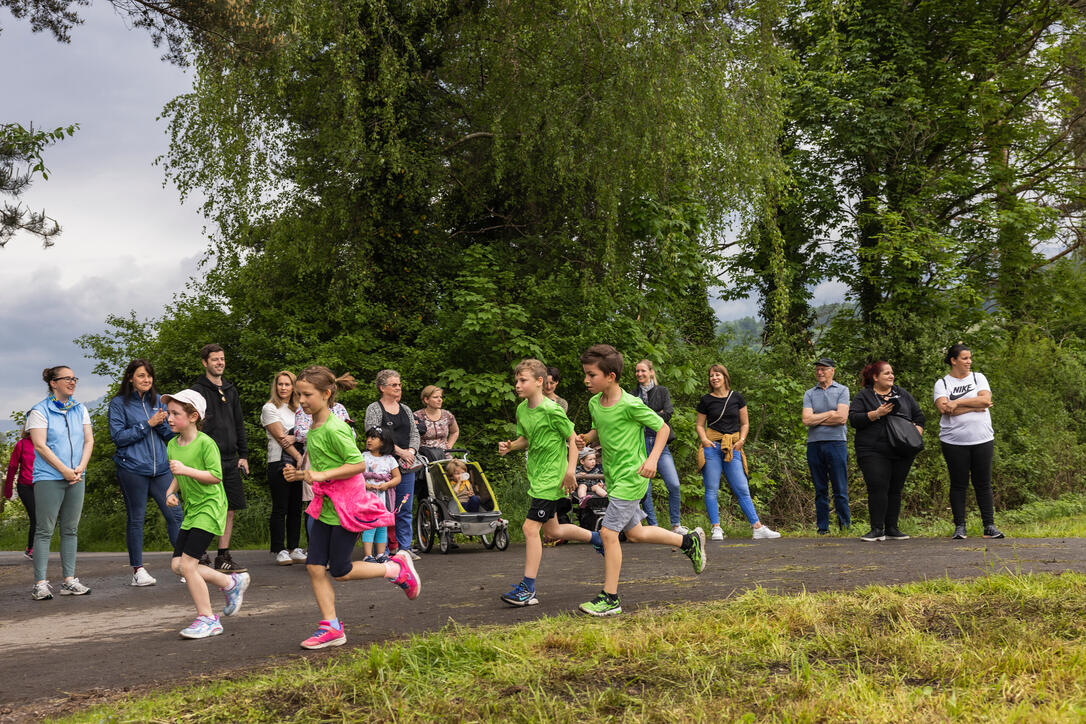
(389, 413)
(60, 429)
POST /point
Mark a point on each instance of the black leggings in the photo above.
(970, 461)
(285, 521)
(885, 479)
(26, 495)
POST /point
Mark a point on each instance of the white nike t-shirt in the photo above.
(971, 428)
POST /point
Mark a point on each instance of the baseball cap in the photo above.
(192, 397)
(825, 362)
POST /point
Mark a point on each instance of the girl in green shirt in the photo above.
(335, 471)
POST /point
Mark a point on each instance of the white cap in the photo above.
(192, 397)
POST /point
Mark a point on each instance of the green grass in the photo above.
(104, 531)
(997, 649)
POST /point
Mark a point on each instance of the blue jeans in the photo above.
(737, 480)
(828, 461)
(666, 470)
(404, 517)
(135, 489)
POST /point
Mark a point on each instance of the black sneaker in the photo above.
(875, 534)
(959, 532)
(225, 564)
(205, 560)
(895, 534)
(990, 531)
(823, 532)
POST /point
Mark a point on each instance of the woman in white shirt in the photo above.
(277, 418)
(966, 437)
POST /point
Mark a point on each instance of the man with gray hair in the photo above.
(825, 412)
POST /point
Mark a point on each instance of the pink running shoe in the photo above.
(408, 579)
(324, 637)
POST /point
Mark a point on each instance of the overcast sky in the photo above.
(127, 242)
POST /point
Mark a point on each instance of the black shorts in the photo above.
(192, 542)
(541, 510)
(231, 484)
(332, 546)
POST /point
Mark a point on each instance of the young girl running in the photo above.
(341, 507)
(382, 476)
(197, 470)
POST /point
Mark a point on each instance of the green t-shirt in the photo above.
(329, 446)
(621, 428)
(547, 429)
(204, 505)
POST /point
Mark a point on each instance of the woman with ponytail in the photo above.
(60, 429)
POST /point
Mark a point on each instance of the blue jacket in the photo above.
(141, 449)
(64, 436)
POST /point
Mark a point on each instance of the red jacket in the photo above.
(22, 462)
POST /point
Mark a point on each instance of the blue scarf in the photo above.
(63, 406)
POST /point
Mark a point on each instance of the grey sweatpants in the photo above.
(55, 499)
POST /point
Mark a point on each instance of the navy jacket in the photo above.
(141, 449)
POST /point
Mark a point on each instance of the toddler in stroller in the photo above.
(589, 477)
(457, 470)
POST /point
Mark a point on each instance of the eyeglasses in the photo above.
(71, 379)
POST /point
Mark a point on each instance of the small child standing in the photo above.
(457, 472)
(342, 507)
(197, 470)
(587, 464)
(382, 476)
(619, 420)
(548, 435)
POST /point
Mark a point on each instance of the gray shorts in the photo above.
(621, 515)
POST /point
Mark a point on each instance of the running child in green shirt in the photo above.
(197, 473)
(335, 471)
(544, 429)
(619, 420)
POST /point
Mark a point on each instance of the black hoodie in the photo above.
(223, 422)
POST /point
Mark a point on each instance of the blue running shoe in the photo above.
(521, 595)
(235, 595)
(597, 542)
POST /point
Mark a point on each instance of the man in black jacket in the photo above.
(224, 424)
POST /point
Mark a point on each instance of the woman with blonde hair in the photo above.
(722, 428)
(658, 398)
(277, 418)
(437, 427)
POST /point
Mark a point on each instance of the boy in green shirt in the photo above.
(544, 429)
(618, 422)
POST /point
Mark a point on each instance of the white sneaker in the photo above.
(718, 533)
(765, 533)
(680, 529)
(297, 555)
(42, 591)
(73, 588)
(282, 558)
(142, 578)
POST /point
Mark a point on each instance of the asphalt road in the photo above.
(72, 650)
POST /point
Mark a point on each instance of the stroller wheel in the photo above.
(501, 539)
(488, 541)
(445, 542)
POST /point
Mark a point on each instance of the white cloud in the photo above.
(127, 243)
